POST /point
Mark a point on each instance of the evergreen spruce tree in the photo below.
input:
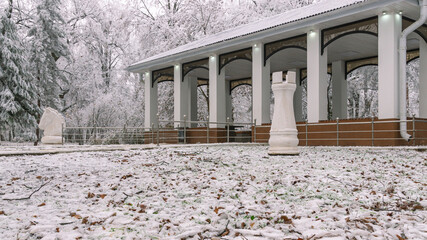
(17, 89)
(48, 45)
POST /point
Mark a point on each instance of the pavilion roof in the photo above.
(288, 17)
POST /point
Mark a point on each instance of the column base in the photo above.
(280, 151)
(283, 143)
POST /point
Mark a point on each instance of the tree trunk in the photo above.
(38, 122)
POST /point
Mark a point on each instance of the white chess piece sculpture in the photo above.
(283, 134)
(52, 123)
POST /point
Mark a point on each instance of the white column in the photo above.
(389, 29)
(180, 94)
(317, 75)
(298, 96)
(423, 79)
(260, 85)
(192, 97)
(339, 90)
(217, 102)
(150, 101)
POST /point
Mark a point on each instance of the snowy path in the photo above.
(228, 192)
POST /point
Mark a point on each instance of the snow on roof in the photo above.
(257, 26)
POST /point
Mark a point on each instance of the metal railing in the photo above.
(366, 132)
(172, 132)
(104, 135)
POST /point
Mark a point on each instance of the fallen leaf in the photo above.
(41, 205)
(102, 195)
(57, 229)
(148, 165)
(39, 177)
(126, 176)
(400, 238)
(418, 207)
(390, 190)
(225, 233)
(74, 215)
(217, 209)
(15, 178)
(90, 195)
(286, 220)
(143, 207)
(84, 220)
(2, 213)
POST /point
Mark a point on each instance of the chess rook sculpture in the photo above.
(52, 123)
(283, 134)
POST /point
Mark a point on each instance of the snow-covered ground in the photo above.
(216, 192)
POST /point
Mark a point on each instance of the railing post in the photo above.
(254, 130)
(152, 133)
(62, 133)
(207, 129)
(124, 134)
(413, 127)
(228, 129)
(84, 133)
(338, 131)
(158, 130)
(306, 133)
(96, 141)
(372, 131)
(185, 129)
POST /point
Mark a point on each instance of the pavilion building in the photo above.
(331, 37)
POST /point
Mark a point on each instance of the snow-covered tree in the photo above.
(48, 45)
(17, 89)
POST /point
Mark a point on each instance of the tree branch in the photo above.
(148, 10)
(26, 198)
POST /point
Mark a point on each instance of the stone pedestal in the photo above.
(49, 140)
(52, 123)
(283, 133)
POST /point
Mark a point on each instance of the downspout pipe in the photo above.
(402, 71)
